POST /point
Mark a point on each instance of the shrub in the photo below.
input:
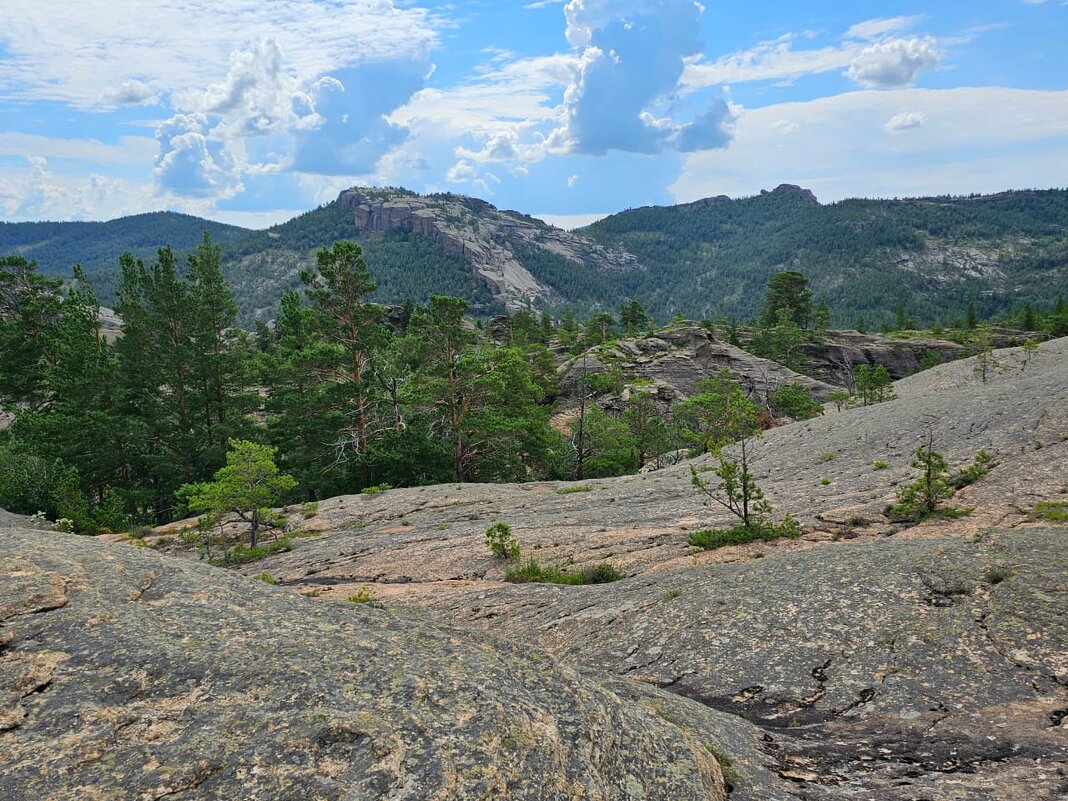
(794, 401)
(709, 539)
(920, 498)
(362, 596)
(375, 489)
(995, 574)
(825, 481)
(983, 464)
(534, 573)
(502, 542)
(309, 510)
(243, 554)
(873, 384)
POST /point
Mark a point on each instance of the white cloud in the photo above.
(258, 96)
(905, 121)
(569, 222)
(847, 153)
(893, 63)
(192, 164)
(770, 60)
(80, 51)
(128, 151)
(876, 28)
(631, 56)
(133, 92)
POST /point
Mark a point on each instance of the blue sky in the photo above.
(250, 111)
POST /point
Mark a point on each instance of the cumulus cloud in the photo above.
(894, 63)
(632, 54)
(258, 96)
(173, 47)
(192, 164)
(353, 107)
(966, 144)
(905, 121)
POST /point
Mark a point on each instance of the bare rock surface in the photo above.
(125, 674)
(677, 358)
(490, 239)
(405, 540)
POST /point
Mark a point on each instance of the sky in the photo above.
(251, 112)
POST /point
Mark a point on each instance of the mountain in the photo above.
(934, 254)
(418, 246)
(704, 259)
(56, 246)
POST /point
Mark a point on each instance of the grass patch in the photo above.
(828, 456)
(572, 490)
(825, 481)
(1052, 510)
(709, 539)
(243, 554)
(309, 510)
(362, 596)
(880, 465)
(267, 578)
(374, 490)
(534, 573)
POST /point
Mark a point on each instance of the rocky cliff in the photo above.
(490, 239)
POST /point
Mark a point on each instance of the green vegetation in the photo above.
(880, 465)
(1052, 510)
(249, 481)
(922, 498)
(873, 384)
(572, 490)
(849, 252)
(243, 554)
(534, 573)
(502, 542)
(794, 401)
(711, 538)
(362, 596)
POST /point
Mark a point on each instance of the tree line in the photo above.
(350, 394)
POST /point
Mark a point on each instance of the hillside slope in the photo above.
(96, 246)
(715, 256)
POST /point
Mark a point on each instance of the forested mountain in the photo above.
(935, 255)
(711, 258)
(57, 246)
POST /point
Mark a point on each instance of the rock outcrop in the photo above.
(125, 675)
(490, 239)
(677, 358)
(878, 661)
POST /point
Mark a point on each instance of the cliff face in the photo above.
(490, 239)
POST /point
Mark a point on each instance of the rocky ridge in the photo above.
(487, 237)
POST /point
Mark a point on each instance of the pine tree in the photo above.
(339, 291)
